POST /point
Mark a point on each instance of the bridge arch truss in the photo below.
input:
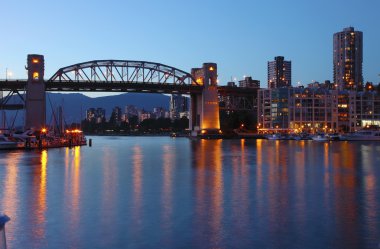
(123, 71)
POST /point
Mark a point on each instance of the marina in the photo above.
(41, 140)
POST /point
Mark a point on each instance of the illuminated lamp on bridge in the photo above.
(199, 81)
(36, 76)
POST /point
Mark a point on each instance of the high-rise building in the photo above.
(178, 104)
(158, 112)
(116, 115)
(279, 73)
(348, 59)
(96, 115)
(131, 110)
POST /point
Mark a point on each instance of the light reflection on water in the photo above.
(158, 192)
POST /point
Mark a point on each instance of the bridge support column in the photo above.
(205, 107)
(35, 117)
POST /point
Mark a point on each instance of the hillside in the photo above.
(76, 104)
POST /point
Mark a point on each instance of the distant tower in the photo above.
(279, 73)
(348, 59)
(178, 104)
(35, 93)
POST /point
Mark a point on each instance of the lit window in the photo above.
(36, 76)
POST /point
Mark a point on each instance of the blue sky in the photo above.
(241, 36)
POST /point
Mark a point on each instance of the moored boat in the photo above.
(9, 142)
(275, 136)
(320, 138)
(333, 136)
(362, 135)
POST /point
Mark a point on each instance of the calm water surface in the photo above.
(159, 192)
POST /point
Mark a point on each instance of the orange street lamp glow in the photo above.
(35, 60)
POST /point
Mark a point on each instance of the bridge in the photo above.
(129, 76)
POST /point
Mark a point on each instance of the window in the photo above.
(36, 76)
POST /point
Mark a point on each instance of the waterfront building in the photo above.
(178, 104)
(348, 59)
(279, 73)
(317, 109)
(367, 109)
(272, 111)
(249, 82)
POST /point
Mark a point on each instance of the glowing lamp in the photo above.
(211, 68)
(44, 130)
(36, 75)
(35, 60)
(199, 80)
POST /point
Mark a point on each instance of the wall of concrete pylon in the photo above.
(205, 106)
(35, 103)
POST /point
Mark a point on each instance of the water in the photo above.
(160, 192)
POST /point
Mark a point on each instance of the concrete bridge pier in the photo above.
(35, 115)
(205, 106)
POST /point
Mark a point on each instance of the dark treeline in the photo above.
(228, 122)
(233, 120)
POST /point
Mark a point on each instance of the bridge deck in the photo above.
(83, 86)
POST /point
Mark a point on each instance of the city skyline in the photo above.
(240, 37)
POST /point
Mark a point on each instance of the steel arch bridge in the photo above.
(129, 76)
(125, 71)
(122, 76)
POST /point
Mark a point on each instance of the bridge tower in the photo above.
(35, 117)
(205, 107)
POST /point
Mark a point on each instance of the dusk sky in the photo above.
(240, 36)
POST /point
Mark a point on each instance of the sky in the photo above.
(240, 36)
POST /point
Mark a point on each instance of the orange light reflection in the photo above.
(137, 183)
(9, 203)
